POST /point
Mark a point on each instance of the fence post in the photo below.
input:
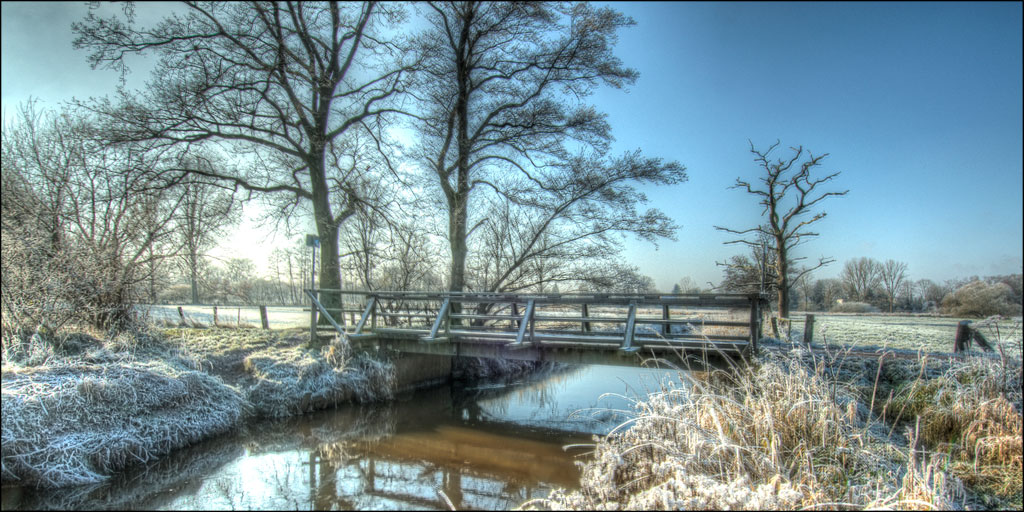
(963, 337)
(586, 313)
(263, 317)
(809, 330)
(181, 313)
(755, 322)
(215, 316)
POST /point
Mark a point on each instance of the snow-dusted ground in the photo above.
(929, 333)
(279, 317)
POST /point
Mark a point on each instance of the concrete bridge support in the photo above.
(413, 371)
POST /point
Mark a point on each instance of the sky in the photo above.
(919, 106)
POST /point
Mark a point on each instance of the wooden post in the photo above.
(532, 323)
(586, 313)
(762, 306)
(664, 314)
(181, 313)
(263, 317)
(630, 328)
(775, 327)
(982, 340)
(809, 329)
(215, 315)
(963, 337)
(755, 323)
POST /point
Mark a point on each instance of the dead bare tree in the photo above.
(279, 85)
(788, 197)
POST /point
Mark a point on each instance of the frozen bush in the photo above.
(981, 299)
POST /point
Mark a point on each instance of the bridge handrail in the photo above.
(373, 301)
(710, 299)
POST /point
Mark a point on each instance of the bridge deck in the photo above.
(688, 330)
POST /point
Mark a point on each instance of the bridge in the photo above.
(692, 330)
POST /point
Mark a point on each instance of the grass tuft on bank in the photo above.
(80, 408)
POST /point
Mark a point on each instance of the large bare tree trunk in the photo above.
(327, 230)
(782, 264)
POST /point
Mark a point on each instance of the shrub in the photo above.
(981, 299)
(854, 307)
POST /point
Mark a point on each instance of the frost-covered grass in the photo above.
(78, 409)
(294, 380)
(78, 418)
(796, 430)
(912, 332)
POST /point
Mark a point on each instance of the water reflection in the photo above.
(490, 446)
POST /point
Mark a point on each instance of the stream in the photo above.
(482, 446)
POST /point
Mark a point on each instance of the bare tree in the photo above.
(753, 274)
(495, 117)
(831, 292)
(806, 287)
(531, 238)
(788, 197)
(741, 275)
(206, 212)
(891, 275)
(282, 84)
(686, 285)
(861, 276)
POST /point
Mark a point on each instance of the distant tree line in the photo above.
(868, 285)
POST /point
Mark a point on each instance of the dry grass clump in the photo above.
(77, 423)
(972, 412)
(771, 435)
(294, 380)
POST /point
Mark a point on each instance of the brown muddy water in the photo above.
(482, 446)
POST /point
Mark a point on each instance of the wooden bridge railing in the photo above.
(630, 321)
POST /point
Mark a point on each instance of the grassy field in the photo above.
(928, 333)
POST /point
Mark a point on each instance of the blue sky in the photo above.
(918, 104)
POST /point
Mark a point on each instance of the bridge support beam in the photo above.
(611, 355)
